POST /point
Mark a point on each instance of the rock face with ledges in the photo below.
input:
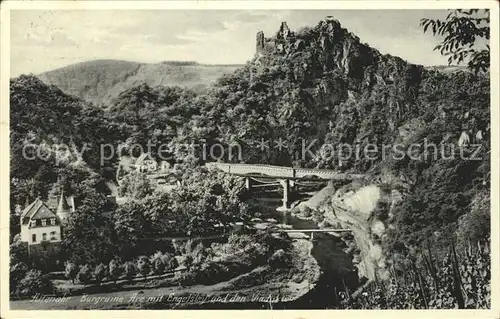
(333, 48)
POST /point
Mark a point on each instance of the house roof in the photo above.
(63, 205)
(27, 212)
(143, 157)
(37, 210)
(54, 202)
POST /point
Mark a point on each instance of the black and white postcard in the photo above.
(331, 156)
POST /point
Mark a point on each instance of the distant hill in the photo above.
(102, 80)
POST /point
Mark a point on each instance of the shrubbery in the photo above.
(85, 274)
(279, 259)
(34, 282)
(457, 281)
(100, 272)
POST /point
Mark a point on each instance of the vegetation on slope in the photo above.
(101, 81)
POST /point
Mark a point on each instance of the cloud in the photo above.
(170, 27)
(43, 39)
(253, 16)
(51, 38)
(59, 38)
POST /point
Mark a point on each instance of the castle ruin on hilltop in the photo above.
(287, 38)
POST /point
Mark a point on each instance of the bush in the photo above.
(279, 259)
(144, 266)
(84, 275)
(17, 272)
(34, 282)
(158, 266)
(100, 272)
(474, 225)
(188, 262)
(186, 278)
(459, 280)
(172, 264)
(177, 246)
(71, 271)
(18, 251)
(130, 270)
(115, 270)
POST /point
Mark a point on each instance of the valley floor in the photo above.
(239, 289)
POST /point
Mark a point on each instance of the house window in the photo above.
(44, 222)
(33, 238)
(52, 221)
(53, 235)
(33, 223)
(44, 236)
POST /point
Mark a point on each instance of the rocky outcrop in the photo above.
(330, 48)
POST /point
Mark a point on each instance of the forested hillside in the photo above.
(102, 80)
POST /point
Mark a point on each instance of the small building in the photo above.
(464, 139)
(39, 223)
(165, 166)
(146, 163)
(42, 226)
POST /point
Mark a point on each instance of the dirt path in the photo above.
(129, 298)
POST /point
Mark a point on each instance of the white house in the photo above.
(39, 223)
(146, 163)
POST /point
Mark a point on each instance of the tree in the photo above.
(177, 246)
(34, 282)
(71, 271)
(144, 266)
(474, 225)
(172, 264)
(84, 275)
(158, 266)
(100, 272)
(17, 272)
(115, 270)
(130, 270)
(130, 225)
(462, 30)
(198, 253)
(188, 262)
(135, 185)
(209, 253)
(18, 252)
(89, 236)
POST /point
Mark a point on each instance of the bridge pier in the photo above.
(286, 192)
(248, 183)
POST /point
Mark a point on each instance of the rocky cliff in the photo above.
(333, 48)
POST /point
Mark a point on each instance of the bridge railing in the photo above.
(314, 230)
(285, 172)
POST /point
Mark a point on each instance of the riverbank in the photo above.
(261, 286)
(317, 271)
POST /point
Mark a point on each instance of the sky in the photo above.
(46, 40)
